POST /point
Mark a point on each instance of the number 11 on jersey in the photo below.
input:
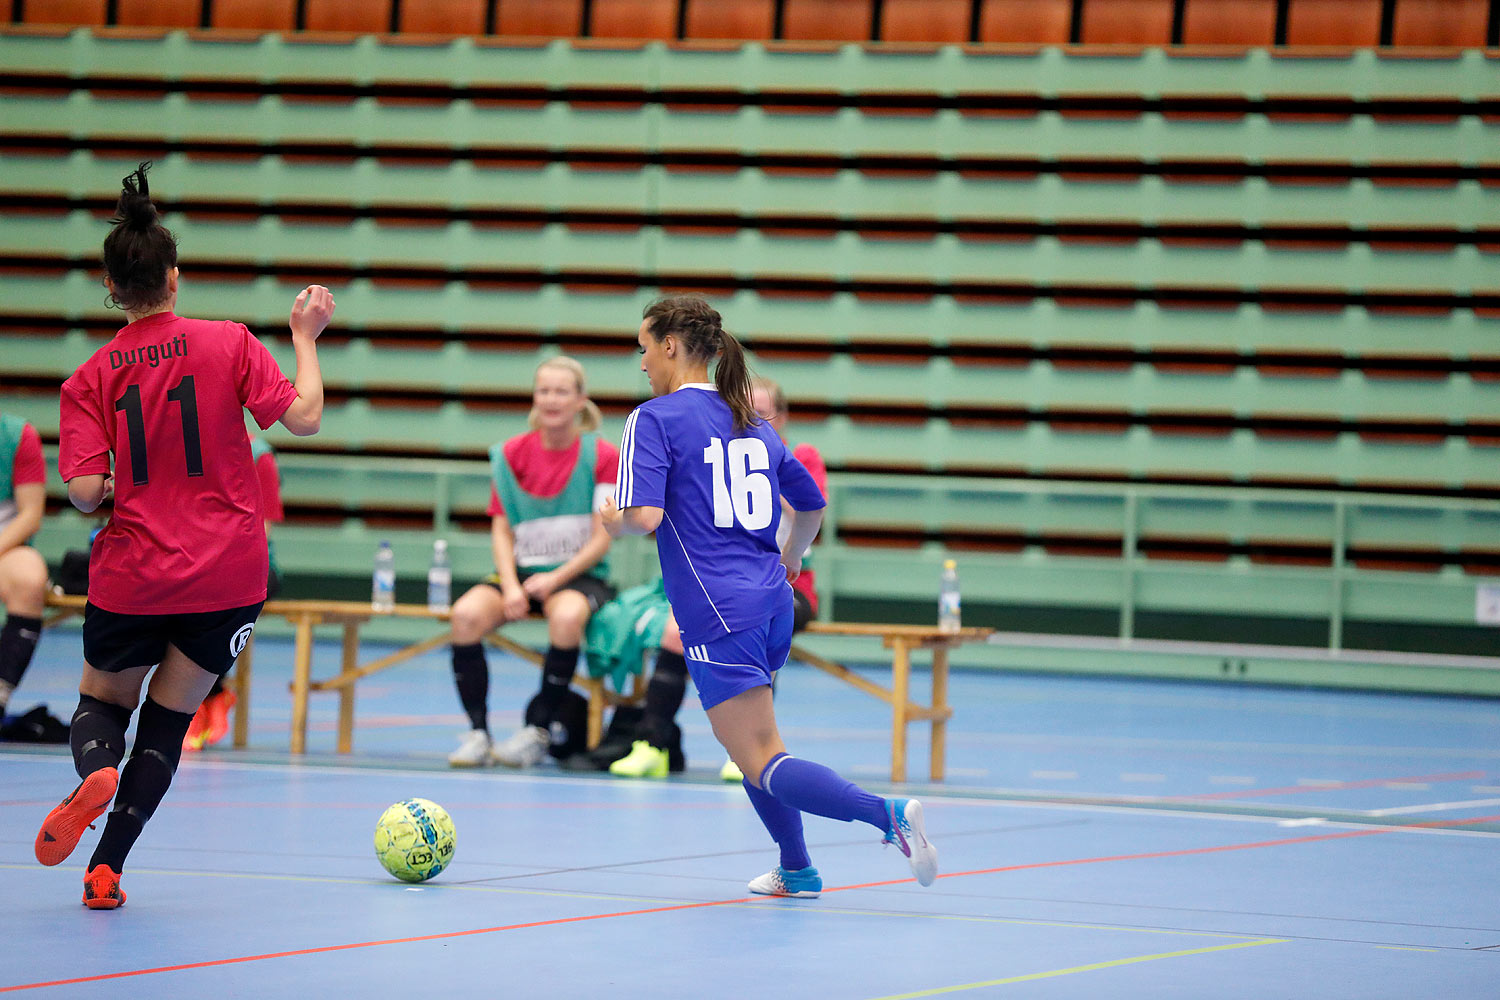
(744, 495)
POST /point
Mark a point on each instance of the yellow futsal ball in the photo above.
(414, 840)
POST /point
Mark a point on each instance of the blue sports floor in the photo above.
(1098, 838)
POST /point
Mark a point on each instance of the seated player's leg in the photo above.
(23, 592)
(567, 611)
(474, 614)
(649, 755)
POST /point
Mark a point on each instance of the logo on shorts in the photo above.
(238, 641)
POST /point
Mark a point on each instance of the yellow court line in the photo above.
(1015, 921)
(1397, 947)
(1080, 968)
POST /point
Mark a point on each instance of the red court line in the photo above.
(374, 808)
(448, 935)
(366, 944)
(1334, 787)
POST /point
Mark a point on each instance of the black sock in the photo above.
(558, 667)
(17, 643)
(664, 696)
(97, 735)
(143, 781)
(472, 675)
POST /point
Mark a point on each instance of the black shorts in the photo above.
(212, 639)
(596, 591)
(802, 611)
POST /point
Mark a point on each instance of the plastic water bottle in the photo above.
(383, 588)
(439, 578)
(949, 602)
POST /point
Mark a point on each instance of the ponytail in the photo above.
(732, 377)
(139, 250)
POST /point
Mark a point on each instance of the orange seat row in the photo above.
(1360, 23)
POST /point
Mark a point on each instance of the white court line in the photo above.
(1231, 779)
(1319, 782)
(1484, 789)
(1054, 775)
(1434, 807)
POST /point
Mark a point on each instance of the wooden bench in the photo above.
(306, 615)
(901, 640)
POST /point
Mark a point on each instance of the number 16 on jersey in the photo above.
(744, 495)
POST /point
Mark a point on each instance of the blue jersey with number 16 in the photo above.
(721, 497)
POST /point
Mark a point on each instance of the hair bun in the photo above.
(135, 209)
(137, 212)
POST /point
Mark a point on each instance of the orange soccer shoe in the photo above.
(196, 738)
(218, 707)
(65, 824)
(101, 889)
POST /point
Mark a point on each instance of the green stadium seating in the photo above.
(1099, 297)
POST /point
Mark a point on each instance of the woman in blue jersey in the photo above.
(699, 468)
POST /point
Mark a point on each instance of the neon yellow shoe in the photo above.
(643, 761)
(731, 771)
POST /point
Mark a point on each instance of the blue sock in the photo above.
(785, 826)
(813, 788)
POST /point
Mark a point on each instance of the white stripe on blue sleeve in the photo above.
(626, 479)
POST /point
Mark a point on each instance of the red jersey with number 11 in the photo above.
(165, 397)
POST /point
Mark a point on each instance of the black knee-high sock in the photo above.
(97, 735)
(664, 696)
(143, 781)
(557, 673)
(17, 644)
(472, 675)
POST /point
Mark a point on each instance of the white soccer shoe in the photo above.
(523, 748)
(473, 750)
(909, 833)
(804, 883)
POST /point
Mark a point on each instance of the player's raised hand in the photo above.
(612, 518)
(311, 311)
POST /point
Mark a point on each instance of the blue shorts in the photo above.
(741, 660)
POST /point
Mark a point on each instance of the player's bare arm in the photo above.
(805, 525)
(543, 585)
(31, 500)
(88, 492)
(630, 521)
(514, 602)
(311, 311)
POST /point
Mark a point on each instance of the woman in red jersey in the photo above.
(178, 575)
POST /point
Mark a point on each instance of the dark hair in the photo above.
(700, 329)
(139, 250)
